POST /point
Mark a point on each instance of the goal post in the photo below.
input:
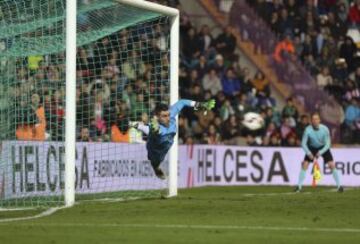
(74, 74)
(70, 84)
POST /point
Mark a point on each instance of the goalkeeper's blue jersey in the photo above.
(159, 144)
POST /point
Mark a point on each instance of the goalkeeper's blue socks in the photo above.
(336, 178)
(301, 178)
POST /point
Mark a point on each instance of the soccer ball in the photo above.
(253, 121)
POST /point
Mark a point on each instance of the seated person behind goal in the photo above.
(162, 130)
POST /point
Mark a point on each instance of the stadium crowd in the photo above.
(121, 77)
(317, 34)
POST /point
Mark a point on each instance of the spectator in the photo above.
(286, 128)
(219, 65)
(271, 129)
(34, 62)
(272, 116)
(205, 38)
(85, 64)
(265, 141)
(202, 66)
(246, 78)
(231, 85)
(212, 137)
(226, 110)
(342, 11)
(352, 114)
(301, 125)
(285, 23)
(25, 119)
(196, 93)
(251, 141)
(324, 79)
(40, 125)
(308, 47)
(355, 76)
(211, 82)
(231, 130)
(261, 84)
(184, 129)
(112, 69)
(354, 13)
(293, 10)
(56, 113)
(348, 51)
(274, 140)
(120, 131)
(298, 45)
(265, 101)
(274, 22)
(340, 72)
(194, 77)
(283, 47)
(352, 123)
(310, 64)
(191, 48)
(225, 43)
(138, 107)
(289, 109)
(103, 49)
(242, 106)
(84, 135)
(351, 91)
(133, 67)
(291, 140)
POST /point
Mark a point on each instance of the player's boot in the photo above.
(340, 189)
(159, 173)
(297, 189)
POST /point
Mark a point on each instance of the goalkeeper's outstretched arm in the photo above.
(179, 105)
(140, 126)
(174, 111)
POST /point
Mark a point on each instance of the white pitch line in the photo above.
(206, 227)
(17, 209)
(293, 193)
(48, 212)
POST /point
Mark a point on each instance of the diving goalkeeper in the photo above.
(316, 142)
(162, 130)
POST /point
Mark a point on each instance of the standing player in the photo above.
(162, 130)
(316, 143)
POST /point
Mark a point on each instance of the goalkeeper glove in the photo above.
(208, 105)
(154, 125)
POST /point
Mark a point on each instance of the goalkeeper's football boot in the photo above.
(297, 189)
(159, 173)
(340, 189)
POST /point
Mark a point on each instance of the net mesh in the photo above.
(122, 72)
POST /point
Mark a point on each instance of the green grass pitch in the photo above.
(200, 215)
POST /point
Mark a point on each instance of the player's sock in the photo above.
(157, 170)
(301, 178)
(336, 178)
